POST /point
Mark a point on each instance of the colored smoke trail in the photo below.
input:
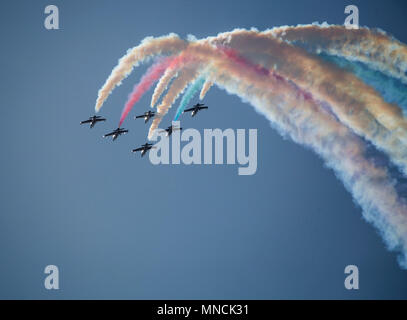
(373, 47)
(152, 75)
(178, 86)
(309, 72)
(391, 89)
(367, 114)
(188, 95)
(171, 72)
(238, 59)
(339, 92)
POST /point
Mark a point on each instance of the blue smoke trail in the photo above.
(188, 95)
(391, 89)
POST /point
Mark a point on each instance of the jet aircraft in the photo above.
(144, 148)
(146, 116)
(196, 108)
(170, 130)
(116, 133)
(93, 120)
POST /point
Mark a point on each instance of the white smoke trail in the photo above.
(207, 85)
(149, 47)
(187, 75)
(162, 85)
(171, 72)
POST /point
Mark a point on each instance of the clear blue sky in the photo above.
(119, 227)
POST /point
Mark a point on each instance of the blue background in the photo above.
(119, 227)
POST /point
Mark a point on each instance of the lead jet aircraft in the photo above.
(170, 130)
(144, 148)
(196, 108)
(116, 133)
(146, 116)
(93, 120)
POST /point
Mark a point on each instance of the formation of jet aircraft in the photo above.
(146, 116)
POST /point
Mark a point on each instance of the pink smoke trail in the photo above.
(236, 57)
(152, 75)
(233, 55)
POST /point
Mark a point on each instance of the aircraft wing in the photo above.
(142, 116)
(204, 107)
(138, 149)
(109, 134)
(190, 109)
(86, 121)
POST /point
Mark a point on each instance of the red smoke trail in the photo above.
(152, 75)
(158, 69)
(232, 54)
